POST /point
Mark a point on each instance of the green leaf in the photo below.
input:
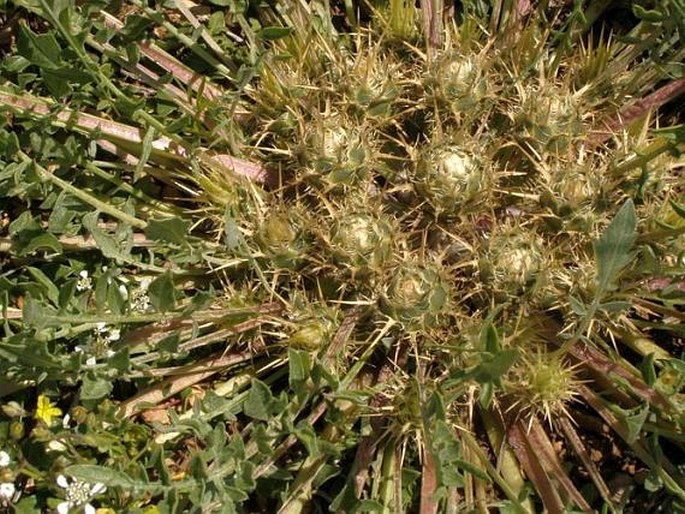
(307, 436)
(170, 343)
(95, 388)
(679, 209)
(486, 394)
(653, 482)
(120, 361)
(473, 469)
(369, 506)
(27, 505)
(66, 293)
(216, 23)
(258, 401)
(106, 243)
(233, 237)
(24, 223)
(675, 133)
(671, 377)
(648, 370)
(51, 290)
(42, 49)
(299, 366)
(145, 152)
(246, 479)
(650, 15)
(577, 306)
(612, 250)
(59, 80)
(45, 241)
(162, 293)
(490, 339)
(272, 33)
(170, 230)
(617, 306)
(635, 419)
(92, 474)
(493, 369)
(36, 314)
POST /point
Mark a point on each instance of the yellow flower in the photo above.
(45, 410)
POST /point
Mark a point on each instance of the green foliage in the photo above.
(366, 257)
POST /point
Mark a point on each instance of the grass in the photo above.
(348, 257)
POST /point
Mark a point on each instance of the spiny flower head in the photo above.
(543, 384)
(417, 292)
(450, 177)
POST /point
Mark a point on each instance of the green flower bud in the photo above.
(414, 293)
(311, 336)
(551, 119)
(449, 179)
(13, 410)
(281, 240)
(16, 430)
(513, 262)
(362, 240)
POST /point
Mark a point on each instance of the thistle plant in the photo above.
(363, 256)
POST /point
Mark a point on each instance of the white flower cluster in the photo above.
(78, 495)
(99, 346)
(84, 282)
(8, 492)
(137, 297)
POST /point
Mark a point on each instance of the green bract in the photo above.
(350, 256)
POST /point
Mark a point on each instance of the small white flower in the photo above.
(91, 361)
(106, 334)
(4, 459)
(78, 494)
(7, 491)
(139, 299)
(84, 283)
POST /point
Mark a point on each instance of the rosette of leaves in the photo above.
(362, 241)
(450, 178)
(417, 292)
